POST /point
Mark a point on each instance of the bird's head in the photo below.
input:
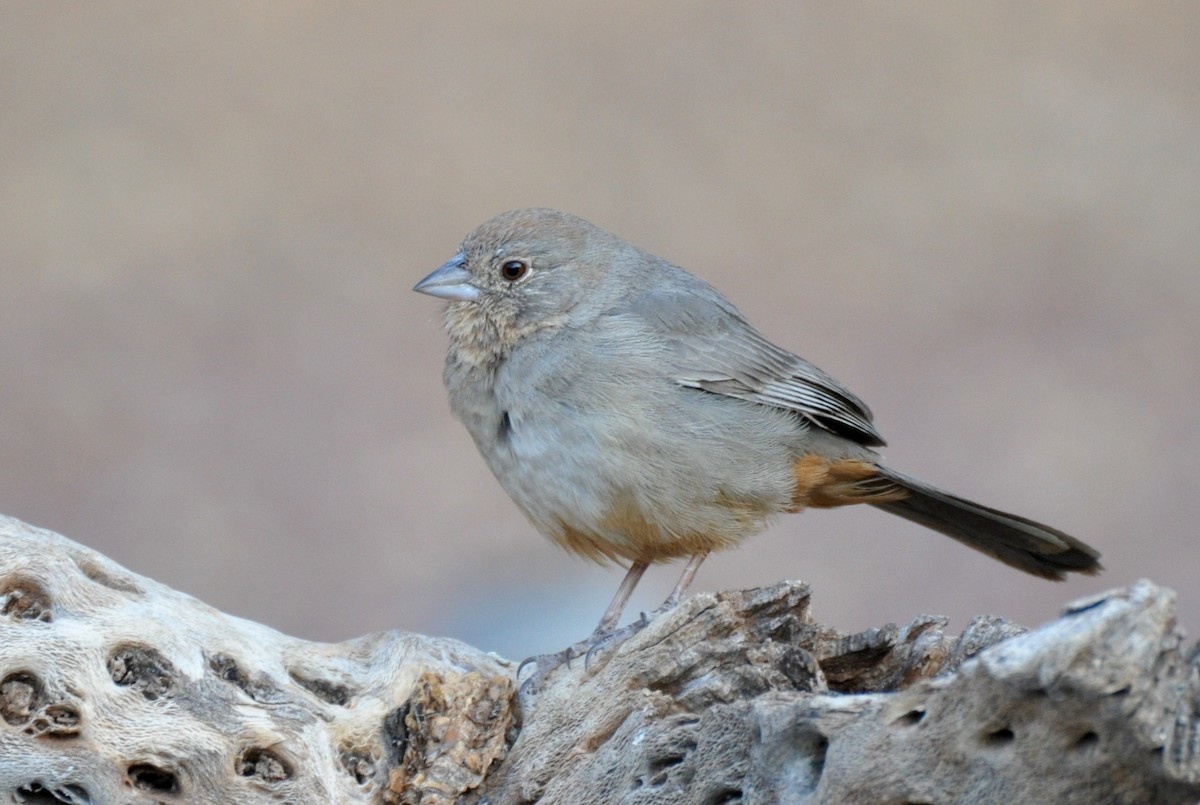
(520, 273)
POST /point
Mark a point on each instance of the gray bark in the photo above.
(117, 689)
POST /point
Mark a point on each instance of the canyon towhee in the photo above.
(632, 413)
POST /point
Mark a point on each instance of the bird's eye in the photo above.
(513, 270)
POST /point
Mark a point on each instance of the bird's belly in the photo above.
(608, 485)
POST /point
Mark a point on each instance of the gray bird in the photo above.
(634, 415)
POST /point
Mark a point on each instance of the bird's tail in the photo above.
(1016, 541)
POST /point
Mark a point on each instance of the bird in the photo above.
(634, 415)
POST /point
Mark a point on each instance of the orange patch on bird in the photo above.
(624, 532)
(585, 544)
(824, 483)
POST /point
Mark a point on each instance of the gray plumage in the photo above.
(633, 413)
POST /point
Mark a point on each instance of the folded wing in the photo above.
(712, 347)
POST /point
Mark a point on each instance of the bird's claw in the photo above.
(548, 662)
(602, 641)
(596, 642)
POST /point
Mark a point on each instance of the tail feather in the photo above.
(1016, 541)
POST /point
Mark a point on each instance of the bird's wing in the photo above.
(712, 347)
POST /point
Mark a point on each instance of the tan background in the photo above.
(982, 217)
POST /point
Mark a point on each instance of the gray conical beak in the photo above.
(451, 281)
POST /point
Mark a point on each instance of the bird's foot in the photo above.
(548, 662)
(616, 636)
(598, 641)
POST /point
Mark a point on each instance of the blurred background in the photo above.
(982, 218)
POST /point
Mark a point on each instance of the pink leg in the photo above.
(685, 581)
(612, 615)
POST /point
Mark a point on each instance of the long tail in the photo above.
(1024, 544)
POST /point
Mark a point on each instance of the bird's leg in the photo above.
(612, 615)
(607, 626)
(606, 632)
(685, 581)
(599, 640)
(681, 586)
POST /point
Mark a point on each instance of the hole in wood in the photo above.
(25, 600)
(55, 721)
(147, 777)
(821, 748)
(21, 695)
(999, 737)
(102, 577)
(260, 688)
(658, 764)
(1087, 740)
(142, 668)
(264, 765)
(660, 767)
(726, 796)
(37, 793)
(324, 689)
(910, 719)
(662, 760)
(395, 732)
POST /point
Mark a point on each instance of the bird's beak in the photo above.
(451, 281)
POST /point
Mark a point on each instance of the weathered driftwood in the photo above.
(116, 689)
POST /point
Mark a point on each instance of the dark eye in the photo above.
(513, 270)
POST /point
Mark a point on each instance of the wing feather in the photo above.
(712, 347)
